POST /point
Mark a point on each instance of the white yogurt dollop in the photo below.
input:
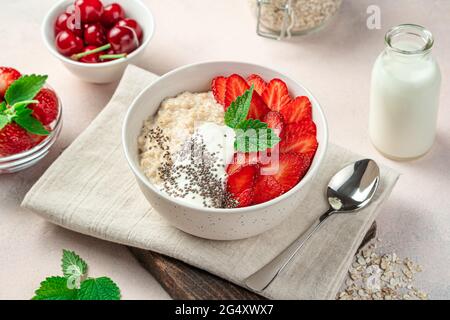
(199, 169)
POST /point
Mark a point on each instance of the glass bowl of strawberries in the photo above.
(30, 119)
(97, 39)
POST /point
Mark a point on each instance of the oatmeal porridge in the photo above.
(163, 135)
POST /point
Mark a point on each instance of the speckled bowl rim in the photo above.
(284, 197)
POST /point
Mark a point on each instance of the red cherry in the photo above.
(94, 35)
(92, 58)
(131, 23)
(90, 10)
(112, 14)
(68, 43)
(67, 22)
(122, 39)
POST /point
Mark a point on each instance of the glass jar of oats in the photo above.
(281, 19)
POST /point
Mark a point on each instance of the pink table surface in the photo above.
(334, 64)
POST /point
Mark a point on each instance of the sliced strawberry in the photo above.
(219, 87)
(258, 82)
(14, 139)
(297, 110)
(275, 121)
(7, 77)
(240, 184)
(236, 86)
(266, 189)
(243, 199)
(292, 167)
(46, 110)
(258, 108)
(240, 160)
(300, 138)
(276, 95)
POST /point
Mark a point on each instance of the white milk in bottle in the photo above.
(405, 94)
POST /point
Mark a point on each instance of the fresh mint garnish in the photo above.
(75, 285)
(18, 96)
(24, 88)
(237, 112)
(252, 135)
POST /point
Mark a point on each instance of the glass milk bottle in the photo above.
(405, 94)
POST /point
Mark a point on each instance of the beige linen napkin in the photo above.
(90, 189)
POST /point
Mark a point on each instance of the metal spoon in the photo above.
(351, 189)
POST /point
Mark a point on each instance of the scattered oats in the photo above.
(407, 273)
(381, 277)
(362, 261)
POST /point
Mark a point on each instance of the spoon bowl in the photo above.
(351, 189)
(354, 186)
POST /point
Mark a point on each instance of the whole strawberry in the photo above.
(14, 139)
(20, 130)
(46, 110)
(7, 76)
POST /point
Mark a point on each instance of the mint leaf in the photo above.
(73, 265)
(4, 120)
(253, 136)
(237, 112)
(24, 119)
(24, 88)
(251, 124)
(99, 289)
(2, 106)
(55, 288)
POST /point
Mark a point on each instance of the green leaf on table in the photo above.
(24, 88)
(99, 289)
(237, 112)
(55, 288)
(73, 265)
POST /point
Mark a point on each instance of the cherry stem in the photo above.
(78, 56)
(113, 56)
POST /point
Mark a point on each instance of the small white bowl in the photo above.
(108, 71)
(211, 223)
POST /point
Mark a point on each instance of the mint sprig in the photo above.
(99, 289)
(24, 88)
(72, 263)
(17, 98)
(252, 135)
(75, 285)
(238, 110)
(55, 288)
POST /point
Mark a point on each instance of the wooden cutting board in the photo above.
(184, 282)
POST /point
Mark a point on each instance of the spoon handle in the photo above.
(262, 278)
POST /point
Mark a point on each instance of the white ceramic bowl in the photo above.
(100, 72)
(210, 223)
